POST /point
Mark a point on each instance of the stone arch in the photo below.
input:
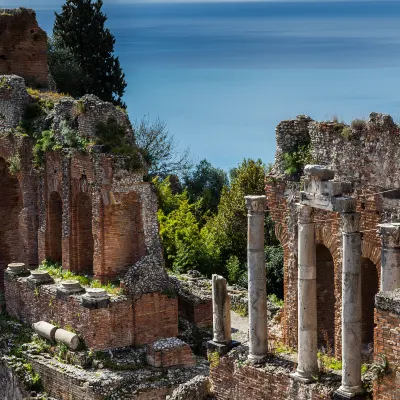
(10, 207)
(54, 227)
(325, 298)
(369, 288)
(83, 243)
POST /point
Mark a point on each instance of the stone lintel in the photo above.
(329, 188)
(388, 301)
(341, 204)
(256, 204)
(322, 172)
(390, 235)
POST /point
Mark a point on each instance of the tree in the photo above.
(79, 29)
(160, 148)
(205, 183)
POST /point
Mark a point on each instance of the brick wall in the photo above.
(195, 310)
(23, 46)
(387, 342)
(125, 322)
(281, 197)
(232, 380)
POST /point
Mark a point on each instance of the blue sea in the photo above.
(222, 75)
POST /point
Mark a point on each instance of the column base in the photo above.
(304, 377)
(349, 392)
(221, 348)
(253, 359)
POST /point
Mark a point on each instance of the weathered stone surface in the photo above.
(221, 310)
(195, 389)
(44, 329)
(321, 172)
(70, 339)
(258, 324)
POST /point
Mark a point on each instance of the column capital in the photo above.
(256, 204)
(350, 222)
(390, 235)
(305, 214)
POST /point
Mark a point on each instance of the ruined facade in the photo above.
(23, 46)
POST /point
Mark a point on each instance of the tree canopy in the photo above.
(79, 33)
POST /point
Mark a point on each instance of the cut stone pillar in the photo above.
(351, 307)
(307, 366)
(258, 337)
(390, 257)
(69, 287)
(70, 339)
(38, 278)
(44, 329)
(95, 298)
(221, 311)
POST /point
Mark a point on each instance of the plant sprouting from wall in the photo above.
(14, 164)
(295, 161)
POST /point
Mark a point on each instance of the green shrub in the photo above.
(234, 269)
(111, 134)
(14, 164)
(347, 132)
(295, 161)
(358, 124)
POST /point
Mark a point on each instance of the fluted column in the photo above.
(351, 306)
(390, 257)
(258, 340)
(307, 366)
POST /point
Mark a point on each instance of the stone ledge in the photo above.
(388, 301)
(169, 352)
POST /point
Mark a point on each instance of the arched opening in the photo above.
(84, 235)
(369, 288)
(54, 222)
(325, 299)
(10, 208)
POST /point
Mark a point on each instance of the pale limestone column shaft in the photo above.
(258, 340)
(307, 367)
(351, 305)
(390, 256)
(221, 311)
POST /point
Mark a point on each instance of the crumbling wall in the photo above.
(387, 339)
(23, 46)
(362, 154)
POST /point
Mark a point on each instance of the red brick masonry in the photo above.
(169, 352)
(125, 322)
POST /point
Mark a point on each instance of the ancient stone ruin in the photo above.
(338, 222)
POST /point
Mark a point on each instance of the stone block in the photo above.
(321, 172)
(221, 348)
(169, 352)
(69, 287)
(95, 298)
(38, 278)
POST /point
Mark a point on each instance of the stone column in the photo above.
(390, 258)
(351, 306)
(307, 367)
(221, 311)
(258, 342)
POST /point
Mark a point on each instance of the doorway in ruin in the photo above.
(325, 299)
(369, 288)
(84, 236)
(10, 208)
(54, 222)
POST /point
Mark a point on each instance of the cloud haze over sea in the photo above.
(222, 75)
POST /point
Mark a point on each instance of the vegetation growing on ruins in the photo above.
(212, 238)
(81, 56)
(14, 164)
(295, 161)
(55, 270)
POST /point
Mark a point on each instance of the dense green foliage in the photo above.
(205, 183)
(197, 235)
(81, 56)
(295, 161)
